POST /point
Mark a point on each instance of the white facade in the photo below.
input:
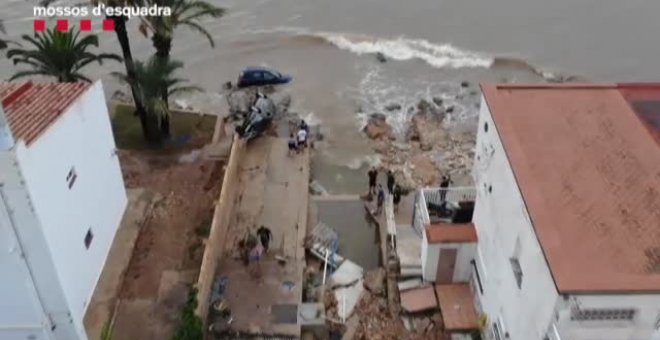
(535, 309)
(431, 256)
(63, 198)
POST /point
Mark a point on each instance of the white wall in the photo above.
(431, 255)
(501, 219)
(80, 138)
(32, 301)
(645, 325)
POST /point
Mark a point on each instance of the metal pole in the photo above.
(325, 267)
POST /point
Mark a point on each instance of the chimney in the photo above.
(6, 137)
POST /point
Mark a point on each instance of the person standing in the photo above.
(380, 200)
(396, 197)
(390, 181)
(373, 177)
(443, 187)
(293, 145)
(302, 139)
(265, 236)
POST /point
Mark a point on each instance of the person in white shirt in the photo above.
(302, 139)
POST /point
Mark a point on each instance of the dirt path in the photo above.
(169, 248)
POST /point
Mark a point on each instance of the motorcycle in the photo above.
(260, 116)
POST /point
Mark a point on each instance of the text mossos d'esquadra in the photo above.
(101, 10)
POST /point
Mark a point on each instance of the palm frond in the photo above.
(59, 54)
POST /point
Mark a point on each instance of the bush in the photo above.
(190, 325)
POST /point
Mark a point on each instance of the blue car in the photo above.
(256, 76)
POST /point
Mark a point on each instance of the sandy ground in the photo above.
(273, 192)
(168, 250)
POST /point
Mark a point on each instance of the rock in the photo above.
(381, 57)
(120, 96)
(393, 107)
(317, 189)
(227, 85)
(449, 109)
(465, 84)
(424, 107)
(437, 101)
(374, 281)
(377, 127)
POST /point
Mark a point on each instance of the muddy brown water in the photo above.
(359, 239)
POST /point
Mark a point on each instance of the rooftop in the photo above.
(587, 161)
(32, 107)
(451, 233)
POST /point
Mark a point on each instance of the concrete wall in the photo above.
(645, 325)
(431, 256)
(505, 231)
(80, 139)
(221, 218)
(32, 300)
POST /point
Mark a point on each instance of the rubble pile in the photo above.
(428, 150)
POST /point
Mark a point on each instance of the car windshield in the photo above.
(276, 74)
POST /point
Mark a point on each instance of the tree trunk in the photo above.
(163, 46)
(140, 111)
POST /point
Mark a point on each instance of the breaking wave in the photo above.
(436, 55)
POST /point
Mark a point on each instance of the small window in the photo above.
(517, 271)
(486, 127)
(88, 238)
(71, 177)
(268, 76)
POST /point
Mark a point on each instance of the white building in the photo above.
(62, 198)
(567, 213)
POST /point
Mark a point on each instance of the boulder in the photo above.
(381, 57)
(465, 84)
(374, 281)
(437, 101)
(393, 107)
(449, 109)
(377, 127)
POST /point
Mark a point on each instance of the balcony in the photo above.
(435, 205)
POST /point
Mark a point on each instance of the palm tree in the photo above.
(152, 79)
(58, 54)
(184, 13)
(3, 43)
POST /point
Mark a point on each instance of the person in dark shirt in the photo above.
(396, 197)
(390, 181)
(446, 180)
(381, 199)
(373, 177)
(265, 236)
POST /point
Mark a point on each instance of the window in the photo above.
(268, 76)
(517, 271)
(486, 127)
(71, 177)
(603, 314)
(477, 276)
(88, 238)
(515, 263)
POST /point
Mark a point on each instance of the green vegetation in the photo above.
(128, 133)
(106, 332)
(152, 79)
(203, 229)
(58, 54)
(190, 325)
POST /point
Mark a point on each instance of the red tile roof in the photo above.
(32, 107)
(589, 172)
(451, 233)
(457, 307)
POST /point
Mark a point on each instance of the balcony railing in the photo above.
(426, 196)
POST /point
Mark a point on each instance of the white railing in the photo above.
(453, 194)
(425, 196)
(421, 213)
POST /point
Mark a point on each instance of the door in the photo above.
(446, 264)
